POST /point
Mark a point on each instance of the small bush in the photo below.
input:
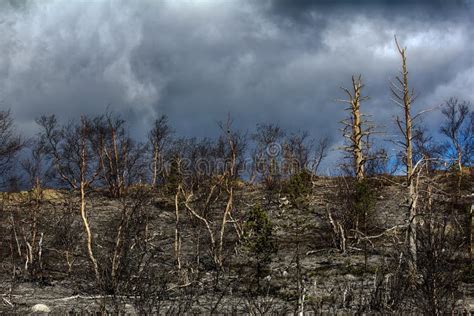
(258, 242)
(298, 187)
(363, 201)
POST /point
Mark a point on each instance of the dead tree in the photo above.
(118, 156)
(222, 182)
(10, 142)
(177, 229)
(458, 127)
(403, 96)
(319, 153)
(439, 239)
(296, 153)
(158, 138)
(70, 151)
(459, 131)
(425, 147)
(36, 168)
(268, 139)
(357, 128)
(130, 245)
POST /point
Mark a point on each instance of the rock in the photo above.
(40, 308)
(351, 277)
(130, 310)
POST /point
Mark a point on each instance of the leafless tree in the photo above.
(403, 96)
(36, 165)
(158, 137)
(37, 170)
(10, 142)
(425, 147)
(296, 153)
(222, 186)
(268, 140)
(119, 157)
(458, 127)
(70, 151)
(320, 152)
(433, 287)
(357, 129)
(130, 249)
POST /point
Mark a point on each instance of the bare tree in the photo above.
(440, 239)
(268, 140)
(357, 129)
(37, 169)
(404, 96)
(70, 150)
(320, 152)
(458, 127)
(302, 154)
(118, 156)
(296, 153)
(425, 147)
(158, 138)
(10, 142)
(222, 184)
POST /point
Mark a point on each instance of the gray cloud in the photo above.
(196, 61)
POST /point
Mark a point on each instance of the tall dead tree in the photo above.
(404, 96)
(356, 128)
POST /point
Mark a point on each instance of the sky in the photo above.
(279, 61)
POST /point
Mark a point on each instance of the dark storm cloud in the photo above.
(198, 60)
(294, 6)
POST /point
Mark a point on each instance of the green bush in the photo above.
(258, 242)
(258, 233)
(298, 187)
(364, 199)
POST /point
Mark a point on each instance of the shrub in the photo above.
(298, 187)
(258, 242)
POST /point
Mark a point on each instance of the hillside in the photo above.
(284, 257)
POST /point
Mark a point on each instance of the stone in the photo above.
(40, 308)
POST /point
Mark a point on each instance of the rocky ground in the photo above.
(307, 261)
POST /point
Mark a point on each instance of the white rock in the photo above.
(40, 308)
(130, 310)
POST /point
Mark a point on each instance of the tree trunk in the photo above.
(87, 230)
(155, 168)
(407, 100)
(357, 131)
(177, 233)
